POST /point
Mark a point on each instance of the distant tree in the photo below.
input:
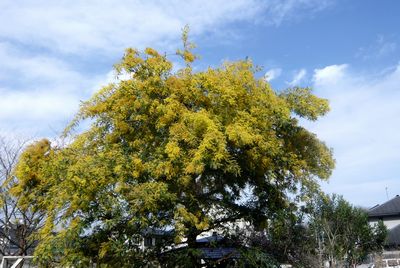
(187, 151)
(257, 258)
(17, 224)
(343, 231)
(286, 239)
(292, 241)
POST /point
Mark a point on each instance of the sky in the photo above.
(55, 54)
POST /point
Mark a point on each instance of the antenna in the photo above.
(387, 195)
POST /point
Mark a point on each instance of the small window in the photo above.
(148, 241)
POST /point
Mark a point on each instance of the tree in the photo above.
(287, 238)
(290, 240)
(175, 151)
(343, 231)
(16, 224)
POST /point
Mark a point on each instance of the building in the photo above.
(211, 251)
(389, 213)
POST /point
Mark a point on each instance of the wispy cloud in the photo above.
(282, 10)
(27, 68)
(38, 91)
(298, 77)
(362, 128)
(272, 74)
(381, 47)
(114, 25)
(110, 26)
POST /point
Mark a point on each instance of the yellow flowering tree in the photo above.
(183, 151)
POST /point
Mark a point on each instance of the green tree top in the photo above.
(343, 231)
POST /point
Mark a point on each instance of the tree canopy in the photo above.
(343, 232)
(16, 223)
(182, 150)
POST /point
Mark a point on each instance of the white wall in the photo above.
(389, 223)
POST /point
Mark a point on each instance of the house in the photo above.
(389, 213)
(152, 238)
(212, 251)
(215, 248)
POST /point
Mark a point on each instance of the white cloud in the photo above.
(362, 128)
(38, 92)
(35, 68)
(298, 77)
(113, 25)
(36, 105)
(35, 113)
(294, 9)
(272, 74)
(329, 74)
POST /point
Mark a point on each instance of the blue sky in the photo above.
(54, 54)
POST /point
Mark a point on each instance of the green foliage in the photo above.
(380, 233)
(257, 258)
(343, 230)
(181, 258)
(290, 240)
(174, 151)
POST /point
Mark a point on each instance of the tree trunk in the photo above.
(192, 247)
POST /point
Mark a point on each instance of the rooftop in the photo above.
(390, 208)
